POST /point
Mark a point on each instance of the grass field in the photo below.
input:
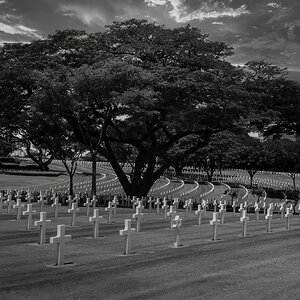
(259, 266)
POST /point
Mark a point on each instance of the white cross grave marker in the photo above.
(42, 224)
(96, 220)
(94, 201)
(244, 219)
(186, 206)
(171, 214)
(127, 232)
(176, 226)
(115, 204)
(1, 200)
(204, 207)
(165, 208)
(257, 210)
(175, 203)
(56, 205)
(73, 210)
(9, 203)
(269, 217)
(60, 239)
(138, 216)
(234, 207)
(282, 210)
(87, 204)
(222, 212)
(70, 201)
(29, 212)
(157, 204)
(109, 208)
(19, 207)
(214, 222)
(199, 214)
(150, 200)
(288, 216)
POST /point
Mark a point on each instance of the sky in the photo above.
(256, 29)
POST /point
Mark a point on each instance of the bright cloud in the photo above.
(207, 10)
(19, 29)
(273, 4)
(88, 15)
(2, 1)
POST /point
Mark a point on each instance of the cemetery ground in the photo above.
(259, 266)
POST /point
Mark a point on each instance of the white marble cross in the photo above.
(199, 214)
(76, 199)
(70, 201)
(115, 204)
(94, 201)
(190, 205)
(110, 209)
(96, 220)
(41, 201)
(214, 222)
(42, 224)
(56, 205)
(127, 232)
(165, 208)
(186, 206)
(29, 197)
(2, 198)
(222, 211)
(233, 207)
(265, 208)
(269, 217)
(157, 204)
(204, 206)
(73, 210)
(288, 215)
(175, 203)
(150, 200)
(282, 210)
(257, 210)
(138, 216)
(29, 212)
(171, 214)
(176, 226)
(244, 219)
(134, 202)
(19, 207)
(215, 204)
(87, 204)
(9, 203)
(60, 239)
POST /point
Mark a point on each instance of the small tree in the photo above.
(69, 153)
(286, 157)
(252, 156)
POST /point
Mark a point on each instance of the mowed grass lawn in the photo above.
(260, 266)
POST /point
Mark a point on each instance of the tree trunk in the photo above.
(251, 174)
(293, 176)
(94, 172)
(71, 192)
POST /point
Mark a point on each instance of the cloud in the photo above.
(273, 4)
(207, 10)
(88, 15)
(19, 29)
(2, 1)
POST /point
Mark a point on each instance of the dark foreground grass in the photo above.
(259, 266)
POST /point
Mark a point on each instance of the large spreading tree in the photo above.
(162, 93)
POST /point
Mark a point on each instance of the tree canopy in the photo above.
(160, 93)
